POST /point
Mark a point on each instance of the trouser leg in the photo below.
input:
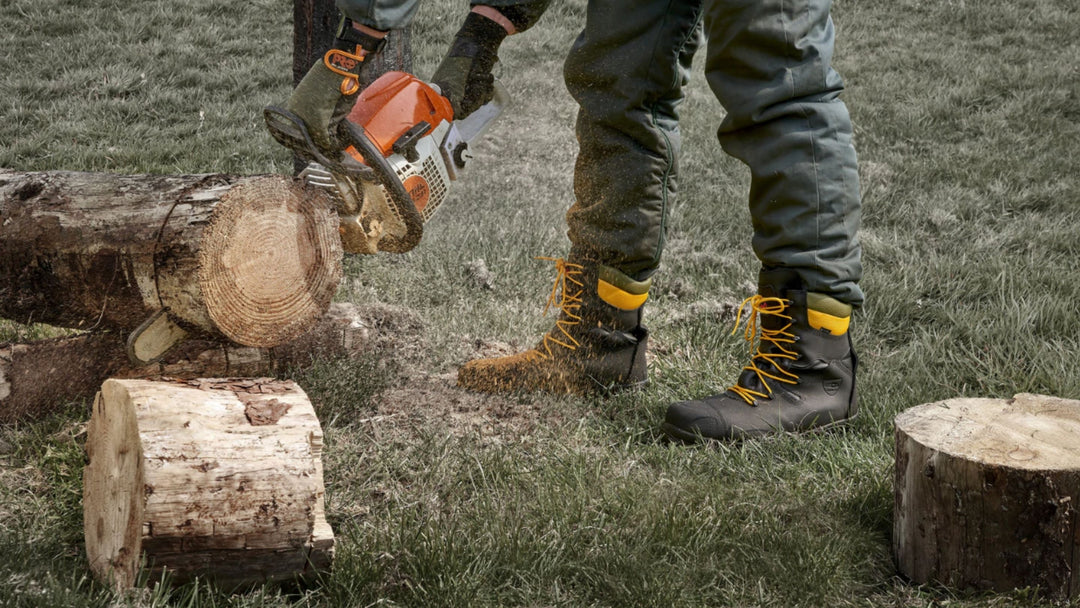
(627, 70)
(768, 62)
(380, 14)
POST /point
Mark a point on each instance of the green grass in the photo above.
(967, 119)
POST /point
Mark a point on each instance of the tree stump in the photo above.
(219, 479)
(253, 259)
(987, 492)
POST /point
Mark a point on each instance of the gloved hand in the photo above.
(464, 76)
(328, 91)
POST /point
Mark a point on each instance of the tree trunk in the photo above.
(987, 492)
(315, 24)
(220, 479)
(253, 259)
(38, 377)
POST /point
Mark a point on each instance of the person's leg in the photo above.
(768, 62)
(380, 14)
(626, 70)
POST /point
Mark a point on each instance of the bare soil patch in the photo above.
(417, 401)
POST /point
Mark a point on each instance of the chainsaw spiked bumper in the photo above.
(594, 347)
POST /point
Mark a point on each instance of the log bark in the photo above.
(986, 494)
(252, 259)
(220, 479)
(38, 377)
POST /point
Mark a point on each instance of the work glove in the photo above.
(326, 94)
(464, 76)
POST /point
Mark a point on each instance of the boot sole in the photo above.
(678, 434)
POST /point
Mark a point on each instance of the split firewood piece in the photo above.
(178, 474)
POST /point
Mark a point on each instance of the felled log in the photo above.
(220, 479)
(987, 492)
(252, 259)
(38, 377)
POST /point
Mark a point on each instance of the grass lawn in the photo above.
(967, 121)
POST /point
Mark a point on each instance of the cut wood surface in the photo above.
(38, 377)
(219, 478)
(254, 259)
(987, 492)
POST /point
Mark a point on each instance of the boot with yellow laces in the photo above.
(597, 345)
(801, 378)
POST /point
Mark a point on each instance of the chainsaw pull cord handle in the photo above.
(400, 200)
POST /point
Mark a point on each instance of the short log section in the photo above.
(987, 492)
(254, 259)
(220, 479)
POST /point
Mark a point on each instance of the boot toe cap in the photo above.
(695, 420)
(481, 375)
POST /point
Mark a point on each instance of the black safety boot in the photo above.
(597, 344)
(802, 376)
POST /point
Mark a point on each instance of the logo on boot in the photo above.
(832, 386)
(341, 60)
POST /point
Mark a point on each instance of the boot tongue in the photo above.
(772, 322)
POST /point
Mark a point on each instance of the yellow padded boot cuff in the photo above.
(830, 314)
(621, 291)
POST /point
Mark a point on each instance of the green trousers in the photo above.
(391, 14)
(768, 63)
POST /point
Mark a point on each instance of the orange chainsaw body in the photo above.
(393, 104)
(404, 130)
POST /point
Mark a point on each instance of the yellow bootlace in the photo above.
(568, 304)
(777, 337)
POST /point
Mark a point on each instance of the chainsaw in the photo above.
(402, 148)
